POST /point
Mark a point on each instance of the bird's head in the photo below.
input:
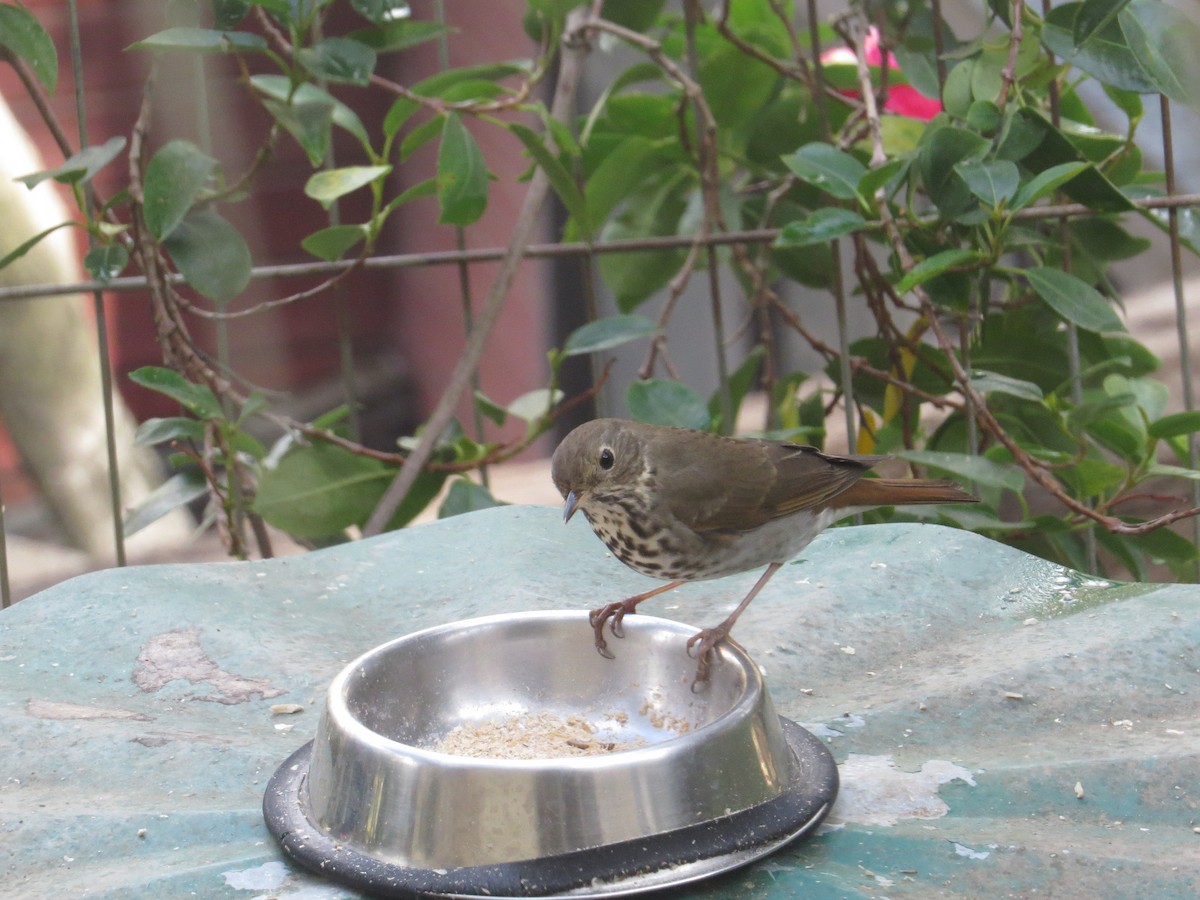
(598, 458)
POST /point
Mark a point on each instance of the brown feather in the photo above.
(900, 491)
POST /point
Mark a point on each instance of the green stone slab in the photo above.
(965, 688)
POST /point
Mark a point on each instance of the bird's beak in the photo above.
(570, 506)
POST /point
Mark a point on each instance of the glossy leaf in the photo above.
(977, 469)
(309, 123)
(659, 401)
(179, 490)
(23, 36)
(401, 34)
(941, 151)
(462, 176)
(81, 167)
(198, 399)
(995, 383)
(332, 243)
(1093, 17)
(824, 225)
(1106, 55)
(604, 334)
(104, 262)
(824, 166)
(327, 186)
(466, 496)
(535, 405)
(279, 88)
(339, 59)
(153, 432)
(1046, 183)
(210, 254)
(320, 489)
(560, 179)
(1165, 40)
(993, 182)
(201, 40)
(1175, 425)
(1073, 299)
(175, 177)
(936, 265)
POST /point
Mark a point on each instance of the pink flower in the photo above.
(902, 99)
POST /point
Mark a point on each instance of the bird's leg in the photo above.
(706, 641)
(618, 611)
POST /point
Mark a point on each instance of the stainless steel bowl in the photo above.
(376, 785)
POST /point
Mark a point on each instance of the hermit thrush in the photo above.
(685, 505)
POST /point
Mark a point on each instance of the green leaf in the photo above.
(994, 182)
(490, 408)
(175, 177)
(1106, 56)
(332, 243)
(936, 265)
(994, 383)
(1164, 40)
(339, 59)
(1094, 17)
(398, 113)
(1046, 183)
(466, 496)
(23, 35)
(153, 432)
(462, 176)
(211, 255)
(942, 149)
(80, 168)
(105, 262)
(399, 35)
(200, 40)
(198, 399)
(1073, 299)
(178, 490)
(320, 489)
(1162, 470)
(660, 401)
(310, 123)
(24, 247)
(1175, 425)
(560, 179)
(535, 405)
(382, 12)
(983, 472)
(279, 88)
(828, 168)
(604, 334)
(635, 275)
(437, 85)
(327, 186)
(1089, 187)
(740, 382)
(822, 226)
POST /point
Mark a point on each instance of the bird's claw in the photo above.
(610, 614)
(702, 646)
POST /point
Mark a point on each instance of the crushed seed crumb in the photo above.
(529, 735)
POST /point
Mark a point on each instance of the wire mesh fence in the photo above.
(884, 248)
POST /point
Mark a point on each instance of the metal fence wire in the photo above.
(1175, 201)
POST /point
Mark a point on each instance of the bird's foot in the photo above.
(611, 614)
(702, 646)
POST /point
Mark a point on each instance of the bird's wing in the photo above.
(716, 484)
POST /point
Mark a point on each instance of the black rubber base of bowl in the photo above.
(620, 869)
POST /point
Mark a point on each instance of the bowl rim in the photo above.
(729, 652)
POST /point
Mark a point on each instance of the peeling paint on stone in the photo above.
(178, 655)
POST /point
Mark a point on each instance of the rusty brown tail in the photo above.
(898, 491)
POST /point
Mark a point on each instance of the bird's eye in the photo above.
(606, 458)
